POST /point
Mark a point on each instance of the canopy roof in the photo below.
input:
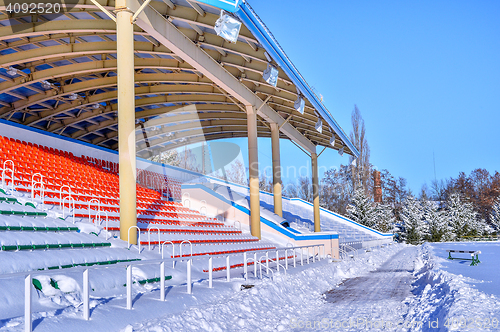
(64, 80)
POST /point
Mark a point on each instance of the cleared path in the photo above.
(372, 302)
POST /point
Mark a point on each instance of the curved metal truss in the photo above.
(60, 76)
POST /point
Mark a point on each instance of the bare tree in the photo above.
(361, 168)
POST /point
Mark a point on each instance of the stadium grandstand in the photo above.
(91, 90)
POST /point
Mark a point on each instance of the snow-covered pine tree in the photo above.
(461, 217)
(495, 214)
(384, 219)
(361, 209)
(437, 225)
(413, 227)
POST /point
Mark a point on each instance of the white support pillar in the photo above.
(126, 119)
(253, 163)
(275, 142)
(315, 185)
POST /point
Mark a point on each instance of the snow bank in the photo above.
(269, 306)
(450, 302)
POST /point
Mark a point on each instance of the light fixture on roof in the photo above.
(46, 84)
(341, 151)
(227, 27)
(319, 125)
(299, 104)
(332, 140)
(73, 96)
(270, 75)
(12, 71)
(353, 163)
(96, 106)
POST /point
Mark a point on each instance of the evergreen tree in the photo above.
(413, 228)
(384, 219)
(361, 209)
(495, 214)
(437, 225)
(461, 217)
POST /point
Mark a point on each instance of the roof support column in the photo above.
(315, 187)
(253, 164)
(275, 143)
(126, 120)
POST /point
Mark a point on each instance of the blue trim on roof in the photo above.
(279, 228)
(246, 14)
(227, 5)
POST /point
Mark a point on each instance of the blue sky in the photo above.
(424, 74)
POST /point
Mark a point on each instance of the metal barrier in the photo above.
(99, 221)
(149, 238)
(34, 182)
(138, 237)
(28, 276)
(70, 200)
(203, 206)
(12, 172)
(98, 207)
(61, 193)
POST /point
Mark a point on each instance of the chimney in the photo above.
(377, 187)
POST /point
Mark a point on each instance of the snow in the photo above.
(399, 286)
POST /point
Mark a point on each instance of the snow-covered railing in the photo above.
(61, 194)
(4, 173)
(71, 201)
(35, 182)
(98, 207)
(28, 278)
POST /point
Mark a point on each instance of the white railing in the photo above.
(188, 200)
(98, 208)
(149, 238)
(190, 245)
(34, 182)
(173, 251)
(28, 277)
(98, 221)
(61, 193)
(4, 172)
(71, 201)
(138, 237)
(203, 206)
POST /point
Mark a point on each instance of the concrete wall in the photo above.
(207, 201)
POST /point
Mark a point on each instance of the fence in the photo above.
(28, 276)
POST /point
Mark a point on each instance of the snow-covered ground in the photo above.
(395, 288)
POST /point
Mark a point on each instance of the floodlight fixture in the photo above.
(46, 84)
(227, 27)
(96, 106)
(319, 125)
(12, 71)
(73, 96)
(332, 140)
(299, 104)
(341, 151)
(270, 75)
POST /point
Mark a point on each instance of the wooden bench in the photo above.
(473, 253)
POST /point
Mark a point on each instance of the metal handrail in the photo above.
(98, 207)
(86, 310)
(190, 244)
(138, 237)
(173, 251)
(71, 200)
(33, 185)
(98, 217)
(12, 171)
(149, 238)
(61, 192)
